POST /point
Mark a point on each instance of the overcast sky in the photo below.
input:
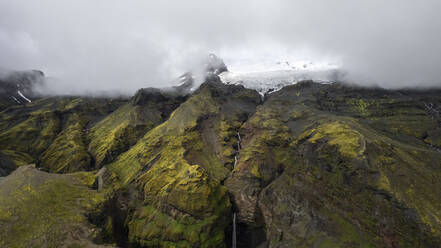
(90, 45)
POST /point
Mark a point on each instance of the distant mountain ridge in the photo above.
(17, 87)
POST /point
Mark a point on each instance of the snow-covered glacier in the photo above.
(267, 77)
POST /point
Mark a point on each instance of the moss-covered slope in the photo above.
(121, 129)
(313, 165)
(67, 134)
(38, 209)
(179, 167)
(51, 131)
(328, 166)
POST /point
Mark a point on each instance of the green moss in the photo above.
(198, 152)
(269, 145)
(107, 232)
(361, 106)
(350, 142)
(151, 227)
(118, 131)
(19, 158)
(73, 104)
(68, 153)
(53, 131)
(169, 135)
(253, 155)
(185, 186)
(348, 235)
(384, 183)
(33, 135)
(179, 177)
(297, 115)
(229, 152)
(226, 131)
(40, 209)
(255, 170)
(417, 196)
(321, 170)
(419, 189)
(190, 113)
(305, 135)
(407, 120)
(434, 137)
(227, 138)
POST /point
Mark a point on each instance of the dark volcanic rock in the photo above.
(7, 165)
(215, 65)
(313, 165)
(330, 165)
(17, 87)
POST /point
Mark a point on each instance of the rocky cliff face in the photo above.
(311, 165)
(335, 166)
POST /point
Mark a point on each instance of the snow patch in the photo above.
(272, 81)
(13, 97)
(27, 99)
(271, 76)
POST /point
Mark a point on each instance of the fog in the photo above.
(106, 45)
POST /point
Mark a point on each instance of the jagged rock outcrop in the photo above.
(215, 65)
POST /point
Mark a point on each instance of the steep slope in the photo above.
(38, 209)
(51, 131)
(337, 166)
(121, 129)
(67, 134)
(311, 165)
(178, 169)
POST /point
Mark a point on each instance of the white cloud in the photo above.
(93, 45)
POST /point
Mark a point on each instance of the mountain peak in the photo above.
(215, 65)
(211, 66)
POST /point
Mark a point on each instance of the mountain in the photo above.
(308, 165)
(17, 87)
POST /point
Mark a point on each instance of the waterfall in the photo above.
(238, 141)
(233, 245)
(234, 241)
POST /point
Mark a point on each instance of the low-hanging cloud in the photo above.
(105, 45)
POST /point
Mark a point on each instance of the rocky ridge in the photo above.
(311, 165)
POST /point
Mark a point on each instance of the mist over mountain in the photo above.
(312, 164)
(220, 124)
(89, 46)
